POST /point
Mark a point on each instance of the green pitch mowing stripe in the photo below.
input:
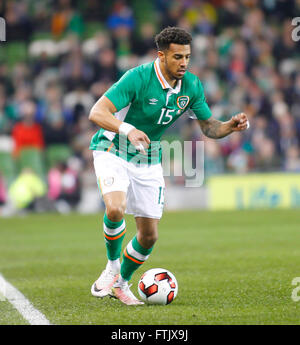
(231, 267)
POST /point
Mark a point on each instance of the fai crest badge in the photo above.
(183, 101)
(108, 181)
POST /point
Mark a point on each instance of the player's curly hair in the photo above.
(172, 35)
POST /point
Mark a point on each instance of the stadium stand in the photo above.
(242, 51)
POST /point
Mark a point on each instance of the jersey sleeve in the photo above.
(199, 109)
(125, 90)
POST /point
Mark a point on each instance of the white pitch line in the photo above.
(21, 303)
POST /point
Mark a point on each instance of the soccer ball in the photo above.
(158, 286)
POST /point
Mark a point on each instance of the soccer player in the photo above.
(133, 114)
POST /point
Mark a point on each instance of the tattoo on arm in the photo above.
(213, 128)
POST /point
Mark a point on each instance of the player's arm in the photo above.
(211, 127)
(102, 115)
(216, 129)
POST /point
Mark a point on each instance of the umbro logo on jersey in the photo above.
(153, 101)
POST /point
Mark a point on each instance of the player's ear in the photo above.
(161, 55)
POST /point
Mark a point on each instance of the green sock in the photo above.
(134, 256)
(114, 233)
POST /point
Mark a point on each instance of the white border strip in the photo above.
(131, 251)
(21, 303)
(113, 232)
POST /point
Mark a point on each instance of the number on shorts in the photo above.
(161, 196)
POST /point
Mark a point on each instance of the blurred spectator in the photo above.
(230, 15)
(236, 153)
(238, 63)
(284, 46)
(21, 76)
(121, 16)
(28, 191)
(53, 117)
(66, 18)
(99, 88)
(105, 65)
(82, 136)
(41, 16)
(3, 196)
(23, 93)
(266, 158)
(27, 133)
(288, 137)
(202, 16)
(144, 42)
(50, 107)
(64, 186)
(172, 14)
(6, 85)
(74, 70)
(121, 23)
(213, 159)
(55, 129)
(231, 143)
(292, 160)
(78, 101)
(7, 118)
(238, 162)
(99, 41)
(95, 10)
(18, 23)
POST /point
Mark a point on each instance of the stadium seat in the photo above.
(144, 12)
(40, 35)
(57, 153)
(91, 28)
(7, 167)
(14, 52)
(34, 159)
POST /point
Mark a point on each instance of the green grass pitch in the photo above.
(232, 268)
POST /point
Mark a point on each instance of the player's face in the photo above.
(176, 59)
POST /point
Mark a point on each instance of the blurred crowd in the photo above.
(73, 51)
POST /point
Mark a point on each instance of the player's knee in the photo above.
(154, 239)
(149, 240)
(115, 213)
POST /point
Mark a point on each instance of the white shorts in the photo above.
(144, 185)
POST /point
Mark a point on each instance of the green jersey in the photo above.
(144, 99)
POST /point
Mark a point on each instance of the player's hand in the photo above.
(239, 122)
(139, 139)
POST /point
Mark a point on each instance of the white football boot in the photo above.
(102, 286)
(121, 291)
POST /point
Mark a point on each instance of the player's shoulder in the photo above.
(138, 77)
(192, 82)
(141, 71)
(191, 78)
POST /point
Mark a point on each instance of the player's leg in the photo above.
(140, 247)
(145, 200)
(135, 254)
(114, 229)
(113, 184)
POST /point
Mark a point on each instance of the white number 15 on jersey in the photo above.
(165, 116)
